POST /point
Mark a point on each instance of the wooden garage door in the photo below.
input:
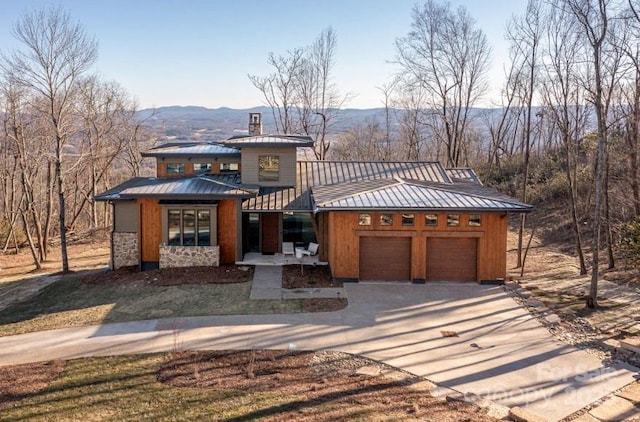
(385, 258)
(451, 258)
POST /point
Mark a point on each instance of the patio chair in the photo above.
(311, 250)
(287, 248)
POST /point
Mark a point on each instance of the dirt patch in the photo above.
(324, 386)
(324, 304)
(224, 274)
(22, 381)
(307, 276)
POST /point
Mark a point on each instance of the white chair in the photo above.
(287, 248)
(311, 250)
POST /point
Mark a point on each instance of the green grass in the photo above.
(71, 303)
(125, 388)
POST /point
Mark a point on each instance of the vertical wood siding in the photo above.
(344, 233)
(150, 229)
(227, 230)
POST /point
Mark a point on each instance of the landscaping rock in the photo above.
(552, 319)
(518, 414)
(631, 393)
(534, 303)
(631, 343)
(370, 371)
(615, 409)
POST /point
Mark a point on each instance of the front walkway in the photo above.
(267, 284)
(474, 339)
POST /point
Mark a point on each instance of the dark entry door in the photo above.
(270, 232)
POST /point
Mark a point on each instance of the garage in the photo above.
(452, 258)
(385, 258)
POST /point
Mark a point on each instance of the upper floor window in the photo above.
(175, 168)
(453, 220)
(475, 220)
(202, 167)
(386, 219)
(364, 219)
(268, 168)
(228, 167)
(407, 219)
(431, 220)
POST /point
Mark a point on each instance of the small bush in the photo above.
(629, 243)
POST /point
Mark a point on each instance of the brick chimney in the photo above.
(255, 124)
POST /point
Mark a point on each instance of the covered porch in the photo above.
(256, 258)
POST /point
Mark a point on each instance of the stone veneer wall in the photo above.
(124, 250)
(189, 256)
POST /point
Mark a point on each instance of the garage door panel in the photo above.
(385, 258)
(451, 259)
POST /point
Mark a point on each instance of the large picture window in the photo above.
(189, 227)
(175, 168)
(268, 168)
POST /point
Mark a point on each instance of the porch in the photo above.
(256, 258)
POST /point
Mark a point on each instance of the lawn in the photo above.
(230, 386)
(78, 300)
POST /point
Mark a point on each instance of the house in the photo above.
(213, 202)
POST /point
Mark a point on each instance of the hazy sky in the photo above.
(199, 52)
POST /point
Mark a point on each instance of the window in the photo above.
(202, 167)
(364, 219)
(475, 220)
(431, 220)
(189, 227)
(407, 219)
(228, 167)
(174, 168)
(268, 168)
(453, 220)
(386, 219)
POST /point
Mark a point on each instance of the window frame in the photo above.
(208, 169)
(196, 233)
(453, 220)
(475, 222)
(386, 219)
(405, 219)
(175, 168)
(427, 220)
(364, 219)
(268, 177)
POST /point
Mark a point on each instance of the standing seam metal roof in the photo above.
(321, 173)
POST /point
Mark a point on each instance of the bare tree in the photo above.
(593, 18)
(280, 88)
(55, 53)
(448, 56)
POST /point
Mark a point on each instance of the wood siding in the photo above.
(344, 244)
(125, 217)
(150, 229)
(287, 165)
(227, 230)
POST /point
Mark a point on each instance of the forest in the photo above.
(564, 135)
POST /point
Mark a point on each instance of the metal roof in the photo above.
(180, 188)
(463, 173)
(403, 194)
(269, 141)
(319, 173)
(192, 149)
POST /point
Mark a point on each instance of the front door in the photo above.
(270, 222)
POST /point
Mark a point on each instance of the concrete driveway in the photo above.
(463, 336)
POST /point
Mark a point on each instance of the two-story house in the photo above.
(213, 202)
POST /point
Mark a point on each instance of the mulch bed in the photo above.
(294, 277)
(327, 383)
(324, 304)
(223, 274)
(21, 381)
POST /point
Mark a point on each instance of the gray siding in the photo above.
(287, 165)
(126, 216)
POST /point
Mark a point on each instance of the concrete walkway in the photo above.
(267, 284)
(474, 339)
